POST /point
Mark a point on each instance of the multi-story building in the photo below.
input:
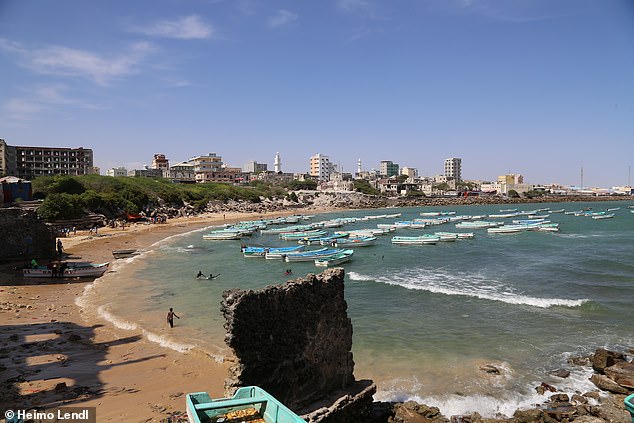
(321, 167)
(453, 168)
(512, 178)
(410, 172)
(182, 172)
(254, 167)
(387, 168)
(205, 167)
(117, 171)
(31, 162)
(147, 172)
(161, 163)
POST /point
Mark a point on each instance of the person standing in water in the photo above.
(170, 317)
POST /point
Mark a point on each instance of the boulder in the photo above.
(606, 384)
(603, 358)
(622, 373)
(412, 412)
(562, 373)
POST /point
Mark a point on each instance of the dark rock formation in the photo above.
(603, 358)
(24, 236)
(294, 341)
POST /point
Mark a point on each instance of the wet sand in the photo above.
(47, 341)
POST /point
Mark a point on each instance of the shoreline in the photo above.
(53, 353)
(97, 366)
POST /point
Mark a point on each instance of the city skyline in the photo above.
(542, 89)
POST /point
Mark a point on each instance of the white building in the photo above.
(277, 164)
(453, 168)
(254, 167)
(321, 167)
(410, 172)
(117, 171)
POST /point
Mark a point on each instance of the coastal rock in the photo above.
(562, 373)
(622, 373)
(611, 410)
(412, 412)
(603, 358)
(294, 340)
(606, 384)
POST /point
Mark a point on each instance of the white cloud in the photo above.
(282, 17)
(41, 99)
(187, 28)
(65, 61)
(353, 5)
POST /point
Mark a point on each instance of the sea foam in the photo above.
(470, 285)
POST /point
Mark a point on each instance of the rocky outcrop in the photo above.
(24, 236)
(294, 341)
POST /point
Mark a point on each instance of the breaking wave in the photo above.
(470, 285)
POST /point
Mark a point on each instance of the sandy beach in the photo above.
(53, 354)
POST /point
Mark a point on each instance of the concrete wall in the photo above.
(23, 236)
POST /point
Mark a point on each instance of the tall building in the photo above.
(453, 168)
(277, 164)
(320, 167)
(387, 168)
(31, 162)
(359, 168)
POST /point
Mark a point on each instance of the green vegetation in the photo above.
(70, 197)
(513, 194)
(364, 187)
(308, 184)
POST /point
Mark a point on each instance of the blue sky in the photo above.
(538, 87)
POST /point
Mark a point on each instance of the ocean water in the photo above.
(426, 318)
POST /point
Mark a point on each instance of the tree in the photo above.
(513, 194)
(364, 187)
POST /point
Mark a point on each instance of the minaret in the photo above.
(278, 163)
(358, 166)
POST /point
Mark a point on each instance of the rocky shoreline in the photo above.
(613, 376)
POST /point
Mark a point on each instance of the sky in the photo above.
(544, 88)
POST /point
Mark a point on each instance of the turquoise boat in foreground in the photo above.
(250, 403)
(629, 405)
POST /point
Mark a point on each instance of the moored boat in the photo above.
(67, 270)
(121, 254)
(261, 251)
(311, 255)
(342, 257)
(415, 240)
(355, 242)
(603, 216)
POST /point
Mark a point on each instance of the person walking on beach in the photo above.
(60, 247)
(170, 317)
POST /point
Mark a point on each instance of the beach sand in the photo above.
(47, 340)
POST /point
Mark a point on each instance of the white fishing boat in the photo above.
(558, 211)
(415, 240)
(614, 209)
(355, 242)
(480, 224)
(603, 216)
(342, 257)
(456, 235)
(223, 235)
(67, 270)
(504, 215)
(508, 229)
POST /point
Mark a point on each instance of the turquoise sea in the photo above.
(426, 318)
